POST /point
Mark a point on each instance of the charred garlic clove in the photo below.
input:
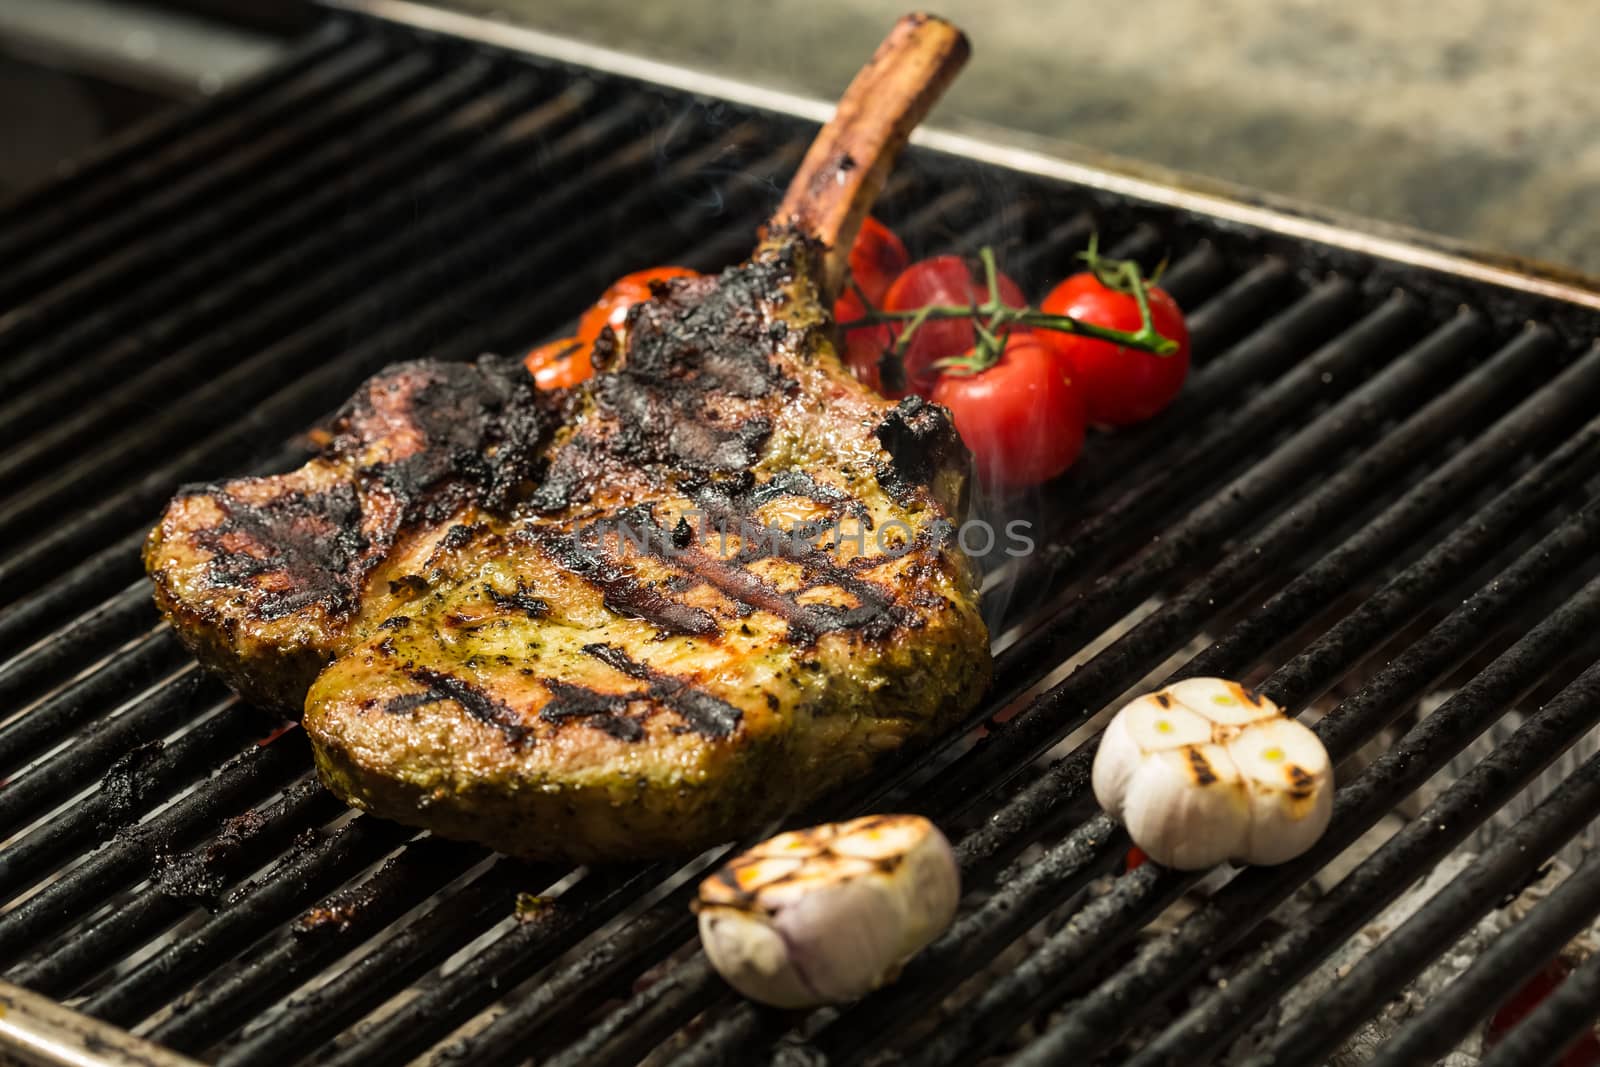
(1206, 771)
(828, 914)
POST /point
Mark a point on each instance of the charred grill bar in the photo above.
(1380, 482)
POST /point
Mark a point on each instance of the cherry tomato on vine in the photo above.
(877, 258)
(1120, 385)
(630, 289)
(564, 363)
(941, 280)
(560, 364)
(864, 349)
(1022, 417)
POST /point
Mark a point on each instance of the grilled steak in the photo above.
(267, 579)
(719, 581)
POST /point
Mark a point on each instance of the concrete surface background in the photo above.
(1476, 119)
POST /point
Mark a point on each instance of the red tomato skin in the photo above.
(876, 259)
(613, 306)
(564, 363)
(1135, 859)
(560, 364)
(863, 347)
(941, 280)
(1121, 386)
(1023, 418)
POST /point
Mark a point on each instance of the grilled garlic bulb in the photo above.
(1206, 771)
(828, 914)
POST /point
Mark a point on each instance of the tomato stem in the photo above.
(992, 317)
(1145, 339)
(861, 294)
(991, 274)
(1121, 275)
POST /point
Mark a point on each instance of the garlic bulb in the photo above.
(828, 914)
(1206, 771)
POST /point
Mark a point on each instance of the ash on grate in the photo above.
(1361, 1046)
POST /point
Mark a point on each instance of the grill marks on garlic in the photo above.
(828, 914)
(1206, 771)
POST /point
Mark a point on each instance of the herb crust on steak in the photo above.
(633, 620)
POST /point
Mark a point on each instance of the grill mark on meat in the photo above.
(477, 703)
(876, 617)
(795, 482)
(707, 715)
(314, 545)
(806, 622)
(621, 591)
(450, 435)
(603, 711)
(522, 600)
(406, 703)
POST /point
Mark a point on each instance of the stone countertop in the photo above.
(1475, 119)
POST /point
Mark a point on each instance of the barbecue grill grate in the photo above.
(1380, 482)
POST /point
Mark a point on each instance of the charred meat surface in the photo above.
(737, 615)
(264, 578)
(719, 582)
(715, 593)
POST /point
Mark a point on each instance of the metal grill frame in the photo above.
(1566, 306)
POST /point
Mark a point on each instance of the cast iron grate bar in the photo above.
(98, 345)
(175, 137)
(1519, 953)
(1552, 1027)
(1359, 448)
(341, 84)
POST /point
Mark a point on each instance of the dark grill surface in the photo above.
(1380, 483)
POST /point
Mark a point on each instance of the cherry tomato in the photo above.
(941, 280)
(630, 289)
(1135, 859)
(560, 364)
(876, 259)
(1022, 417)
(864, 346)
(864, 352)
(564, 363)
(1120, 385)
